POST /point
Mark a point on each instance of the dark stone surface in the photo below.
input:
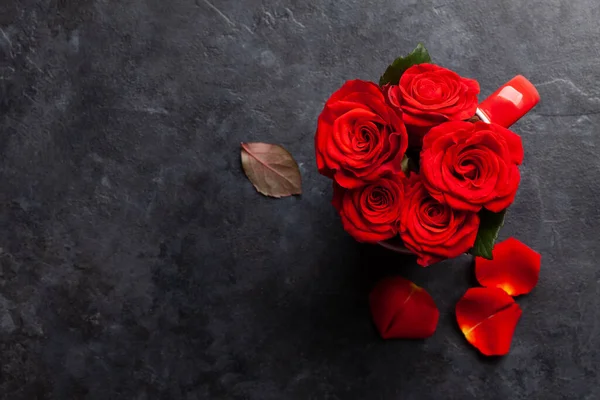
(137, 262)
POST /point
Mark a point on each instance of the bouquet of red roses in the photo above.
(417, 160)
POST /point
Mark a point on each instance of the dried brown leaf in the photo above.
(271, 169)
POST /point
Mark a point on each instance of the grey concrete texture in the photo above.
(138, 262)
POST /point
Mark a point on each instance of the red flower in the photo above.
(370, 213)
(433, 230)
(488, 317)
(514, 269)
(401, 309)
(430, 95)
(359, 138)
(472, 165)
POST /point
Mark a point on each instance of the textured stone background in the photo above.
(137, 262)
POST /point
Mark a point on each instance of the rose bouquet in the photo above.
(417, 163)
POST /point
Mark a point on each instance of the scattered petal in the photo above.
(271, 169)
(401, 309)
(488, 317)
(515, 268)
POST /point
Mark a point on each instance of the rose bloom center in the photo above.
(379, 198)
(468, 166)
(364, 138)
(434, 215)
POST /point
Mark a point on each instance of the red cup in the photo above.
(509, 103)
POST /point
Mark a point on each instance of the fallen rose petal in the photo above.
(515, 268)
(488, 317)
(401, 309)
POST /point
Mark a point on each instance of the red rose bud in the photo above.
(370, 213)
(429, 95)
(359, 137)
(402, 310)
(488, 318)
(510, 102)
(472, 165)
(432, 230)
(514, 269)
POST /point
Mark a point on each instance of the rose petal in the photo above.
(401, 309)
(515, 268)
(488, 317)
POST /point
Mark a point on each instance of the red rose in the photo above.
(359, 136)
(432, 230)
(370, 213)
(429, 95)
(472, 165)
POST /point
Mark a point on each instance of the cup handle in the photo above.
(509, 103)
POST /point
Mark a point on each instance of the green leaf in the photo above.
(489, 227)
(405, 165)
(393, 73)
(410, 164)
